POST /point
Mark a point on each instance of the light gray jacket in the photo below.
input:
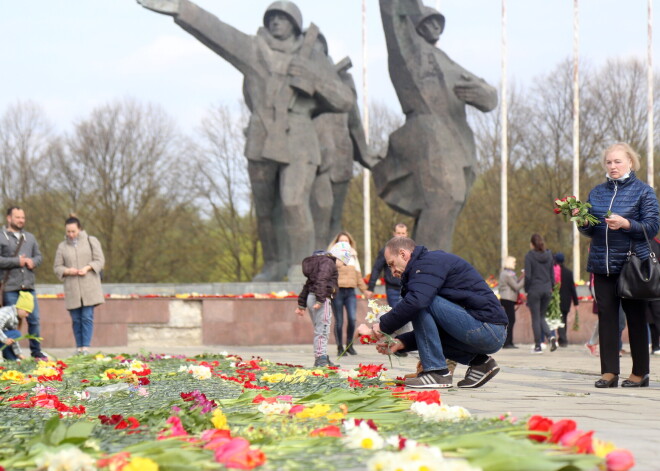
(80, 290)
(19, 277)
(509, 285)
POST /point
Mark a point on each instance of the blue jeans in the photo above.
(82, 320)
(393, 295)
(8, 352)
(34, 328)
(446, 330)
(345, 297)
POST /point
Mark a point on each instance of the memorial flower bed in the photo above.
(158, 412)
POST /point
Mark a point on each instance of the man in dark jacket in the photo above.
(392, 284)
(453, 312)
(567, 293)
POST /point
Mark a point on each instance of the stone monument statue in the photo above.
(287, 81)
(343, 142)
(430, 163)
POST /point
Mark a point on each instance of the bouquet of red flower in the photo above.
(575, 210)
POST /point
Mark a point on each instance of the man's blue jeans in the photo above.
(446, 330)
(8, 352)
(82, 320)
(34, 328)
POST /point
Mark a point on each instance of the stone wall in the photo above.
(163, 322)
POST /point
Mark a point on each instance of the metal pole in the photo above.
(366, 174)
(576, 132)
(649, 98)
(504, 145)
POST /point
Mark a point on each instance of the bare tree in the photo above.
(222, 184)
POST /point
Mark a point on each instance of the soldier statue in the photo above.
(287, 81)
(430, 163)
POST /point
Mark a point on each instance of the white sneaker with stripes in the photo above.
(429, 380)
(480, 374)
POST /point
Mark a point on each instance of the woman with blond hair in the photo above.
(350, 277)
(627, 210)
(509, 287)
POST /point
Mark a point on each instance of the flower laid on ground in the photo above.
(439, 412)
(575, 210)
(565, 432)
(293, 423)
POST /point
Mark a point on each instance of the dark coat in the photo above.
(567, 291)
(437, 273)
(380, 265)
(539, 272)
(632, 199)
(321, 273)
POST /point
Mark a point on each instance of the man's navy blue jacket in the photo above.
(437, 273)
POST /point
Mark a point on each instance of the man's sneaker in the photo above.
(429, 380)
(323, 361)
(537, 349)
(656, 352)
(553, 344)
(479, 375)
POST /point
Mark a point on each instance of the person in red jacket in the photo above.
(321, 272)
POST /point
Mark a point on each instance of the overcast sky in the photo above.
(72, 55)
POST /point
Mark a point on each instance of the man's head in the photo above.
(283, 19)
(24, 303)
(430, 25)
(397, 254)
(15, 218)
(400, 230)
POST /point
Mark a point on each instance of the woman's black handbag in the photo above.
(640, 279)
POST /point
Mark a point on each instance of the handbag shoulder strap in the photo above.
(18, 248)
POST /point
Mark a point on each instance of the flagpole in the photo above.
(366, 174)
(576, 131)
(649, 98)
(504, 144)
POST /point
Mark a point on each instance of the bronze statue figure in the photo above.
(430, 163)
(287, 81)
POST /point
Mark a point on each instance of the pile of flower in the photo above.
(218, 411)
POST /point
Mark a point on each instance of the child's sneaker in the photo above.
(479, 375)
(323, 360)
(429, 380)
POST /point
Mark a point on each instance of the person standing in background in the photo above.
(78, 263)
(567, 293)
(19, 257)
(539, 280)
(509, 287)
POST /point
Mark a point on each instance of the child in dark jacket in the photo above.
(321, 272)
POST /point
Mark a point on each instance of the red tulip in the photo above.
(538, 423)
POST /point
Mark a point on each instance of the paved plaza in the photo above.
(557, 385)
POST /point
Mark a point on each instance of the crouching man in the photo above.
(453, 312)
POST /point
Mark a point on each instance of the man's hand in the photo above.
(385, 349)
(166, 7)
(22, 260)
(377, 333)
(368, 294)
(29, 263)
(9, 341)
(303, 76)
(300, 311)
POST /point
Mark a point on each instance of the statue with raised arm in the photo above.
(430, 163)
(287, 81)
(343, 142)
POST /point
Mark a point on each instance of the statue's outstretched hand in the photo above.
(166, 7)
